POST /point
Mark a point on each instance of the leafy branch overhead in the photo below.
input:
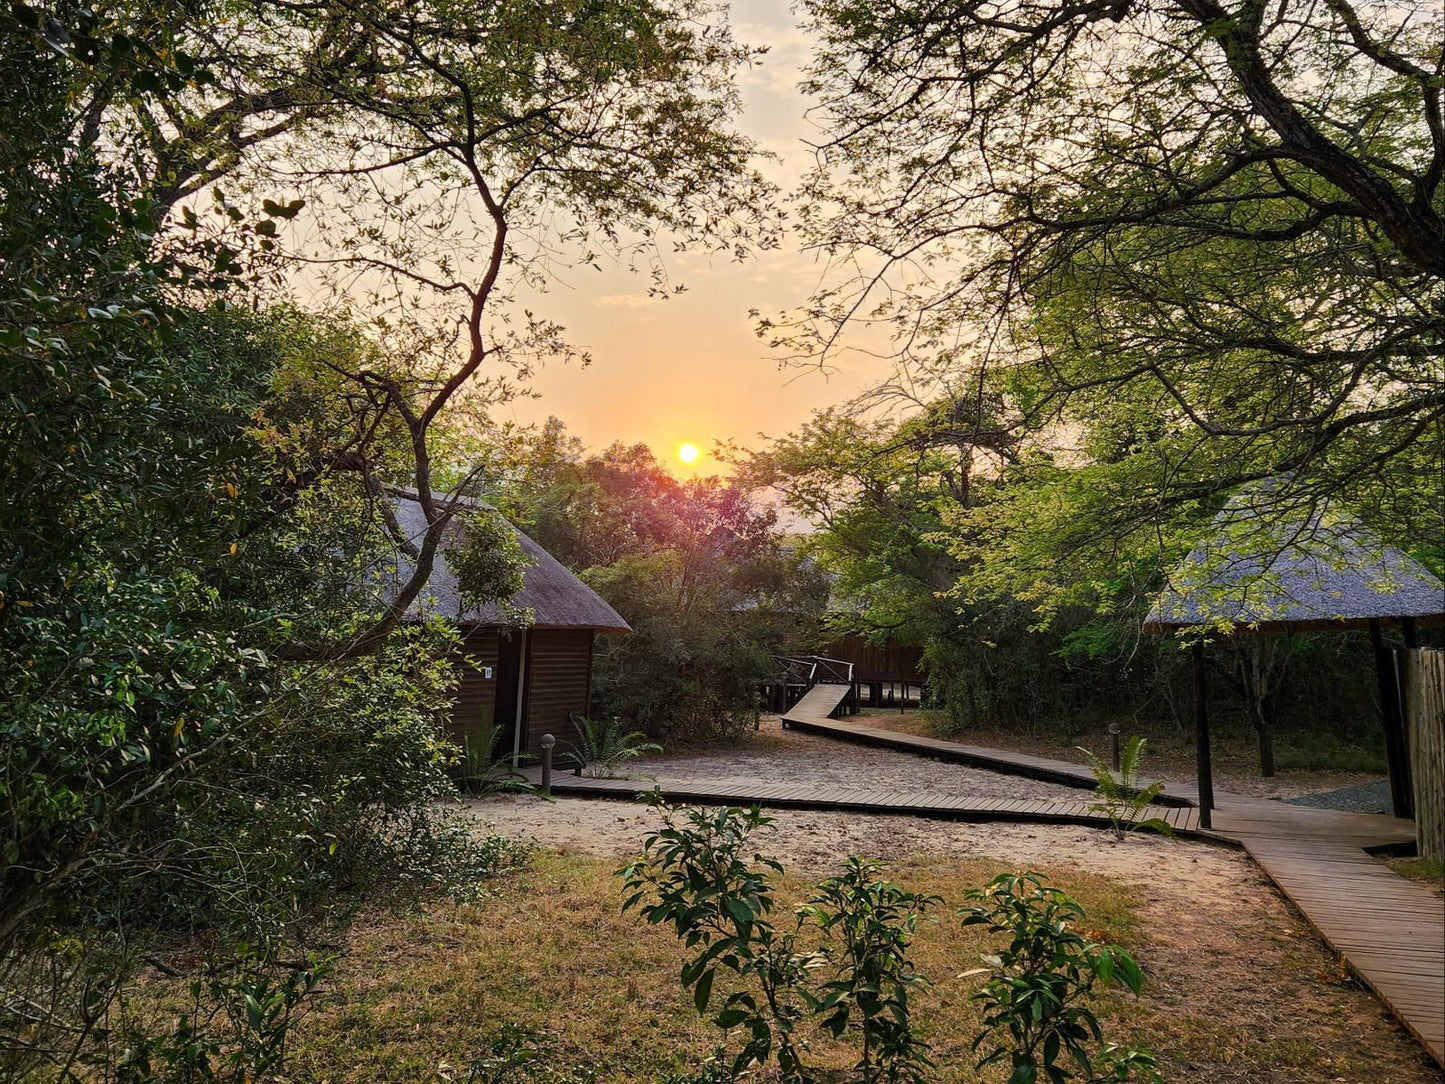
(1187, 244)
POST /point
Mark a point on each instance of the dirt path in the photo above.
(792, 757)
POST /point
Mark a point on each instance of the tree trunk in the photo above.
(1255, 672)
(1266, 742)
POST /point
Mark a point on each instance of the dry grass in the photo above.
(1428, 871)
(419, 997)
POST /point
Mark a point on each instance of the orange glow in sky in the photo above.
(693, 363)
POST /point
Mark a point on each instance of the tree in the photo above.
(215, 717)
(1205, 235)
(698, 568)
(444, 156)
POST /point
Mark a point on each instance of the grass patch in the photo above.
(549, 972)
(1428, 871)
(596, 992)
(1299, 752)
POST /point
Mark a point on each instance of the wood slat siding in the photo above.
(1425, 730)
(890, 662)
(559, 683)
(475, 693)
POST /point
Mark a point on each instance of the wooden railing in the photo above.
(798, 673)
(816, 670)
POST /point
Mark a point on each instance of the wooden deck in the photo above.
(1389, 931)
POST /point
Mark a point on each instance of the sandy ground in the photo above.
(816, 841)
(1167, 757)
(789, 756)
(1212, 925)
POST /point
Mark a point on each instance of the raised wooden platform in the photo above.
(1389, 931)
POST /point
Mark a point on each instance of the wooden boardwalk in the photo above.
(813, 714)
(1390, 931)
(937, 804)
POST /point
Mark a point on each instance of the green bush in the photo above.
(697, 875)
(1036, 999)
(602, 748)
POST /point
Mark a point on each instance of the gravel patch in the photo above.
(1362, 798)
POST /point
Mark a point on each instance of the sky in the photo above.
(690, 368)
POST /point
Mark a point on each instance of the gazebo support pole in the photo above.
(1201, 739)
(1397, 756)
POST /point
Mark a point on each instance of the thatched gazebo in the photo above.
(1260, 572)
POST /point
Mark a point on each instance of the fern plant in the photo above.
(484, 770)
(601, 747)
(1120, 798)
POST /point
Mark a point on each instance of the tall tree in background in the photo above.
(698, 567)
(1199, 242)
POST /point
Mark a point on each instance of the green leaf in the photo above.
(702, 992)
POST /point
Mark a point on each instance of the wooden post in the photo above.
(520, 720)
(548, 744)
(1114, 760)
(1425, 722)
(1397, 756)
(1203, 764)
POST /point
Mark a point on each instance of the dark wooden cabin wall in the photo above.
(891, 662)
(475, 694)
(559, 683)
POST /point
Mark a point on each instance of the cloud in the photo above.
(625, 301)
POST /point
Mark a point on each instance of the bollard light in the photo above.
(548, 744)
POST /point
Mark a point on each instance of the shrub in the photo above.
(1035, 999)
(484, 770)
(720, 903)
(602, 748)
(872, 922)
(1121, 799)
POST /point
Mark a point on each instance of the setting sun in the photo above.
(687, 453)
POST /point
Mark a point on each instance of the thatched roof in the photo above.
(1272, 573)
(557, 598)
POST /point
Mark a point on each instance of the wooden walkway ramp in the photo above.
(859, 799)
(809, 715)
(1390, 931)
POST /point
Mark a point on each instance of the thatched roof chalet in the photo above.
(556, 597)
(1323, 570)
